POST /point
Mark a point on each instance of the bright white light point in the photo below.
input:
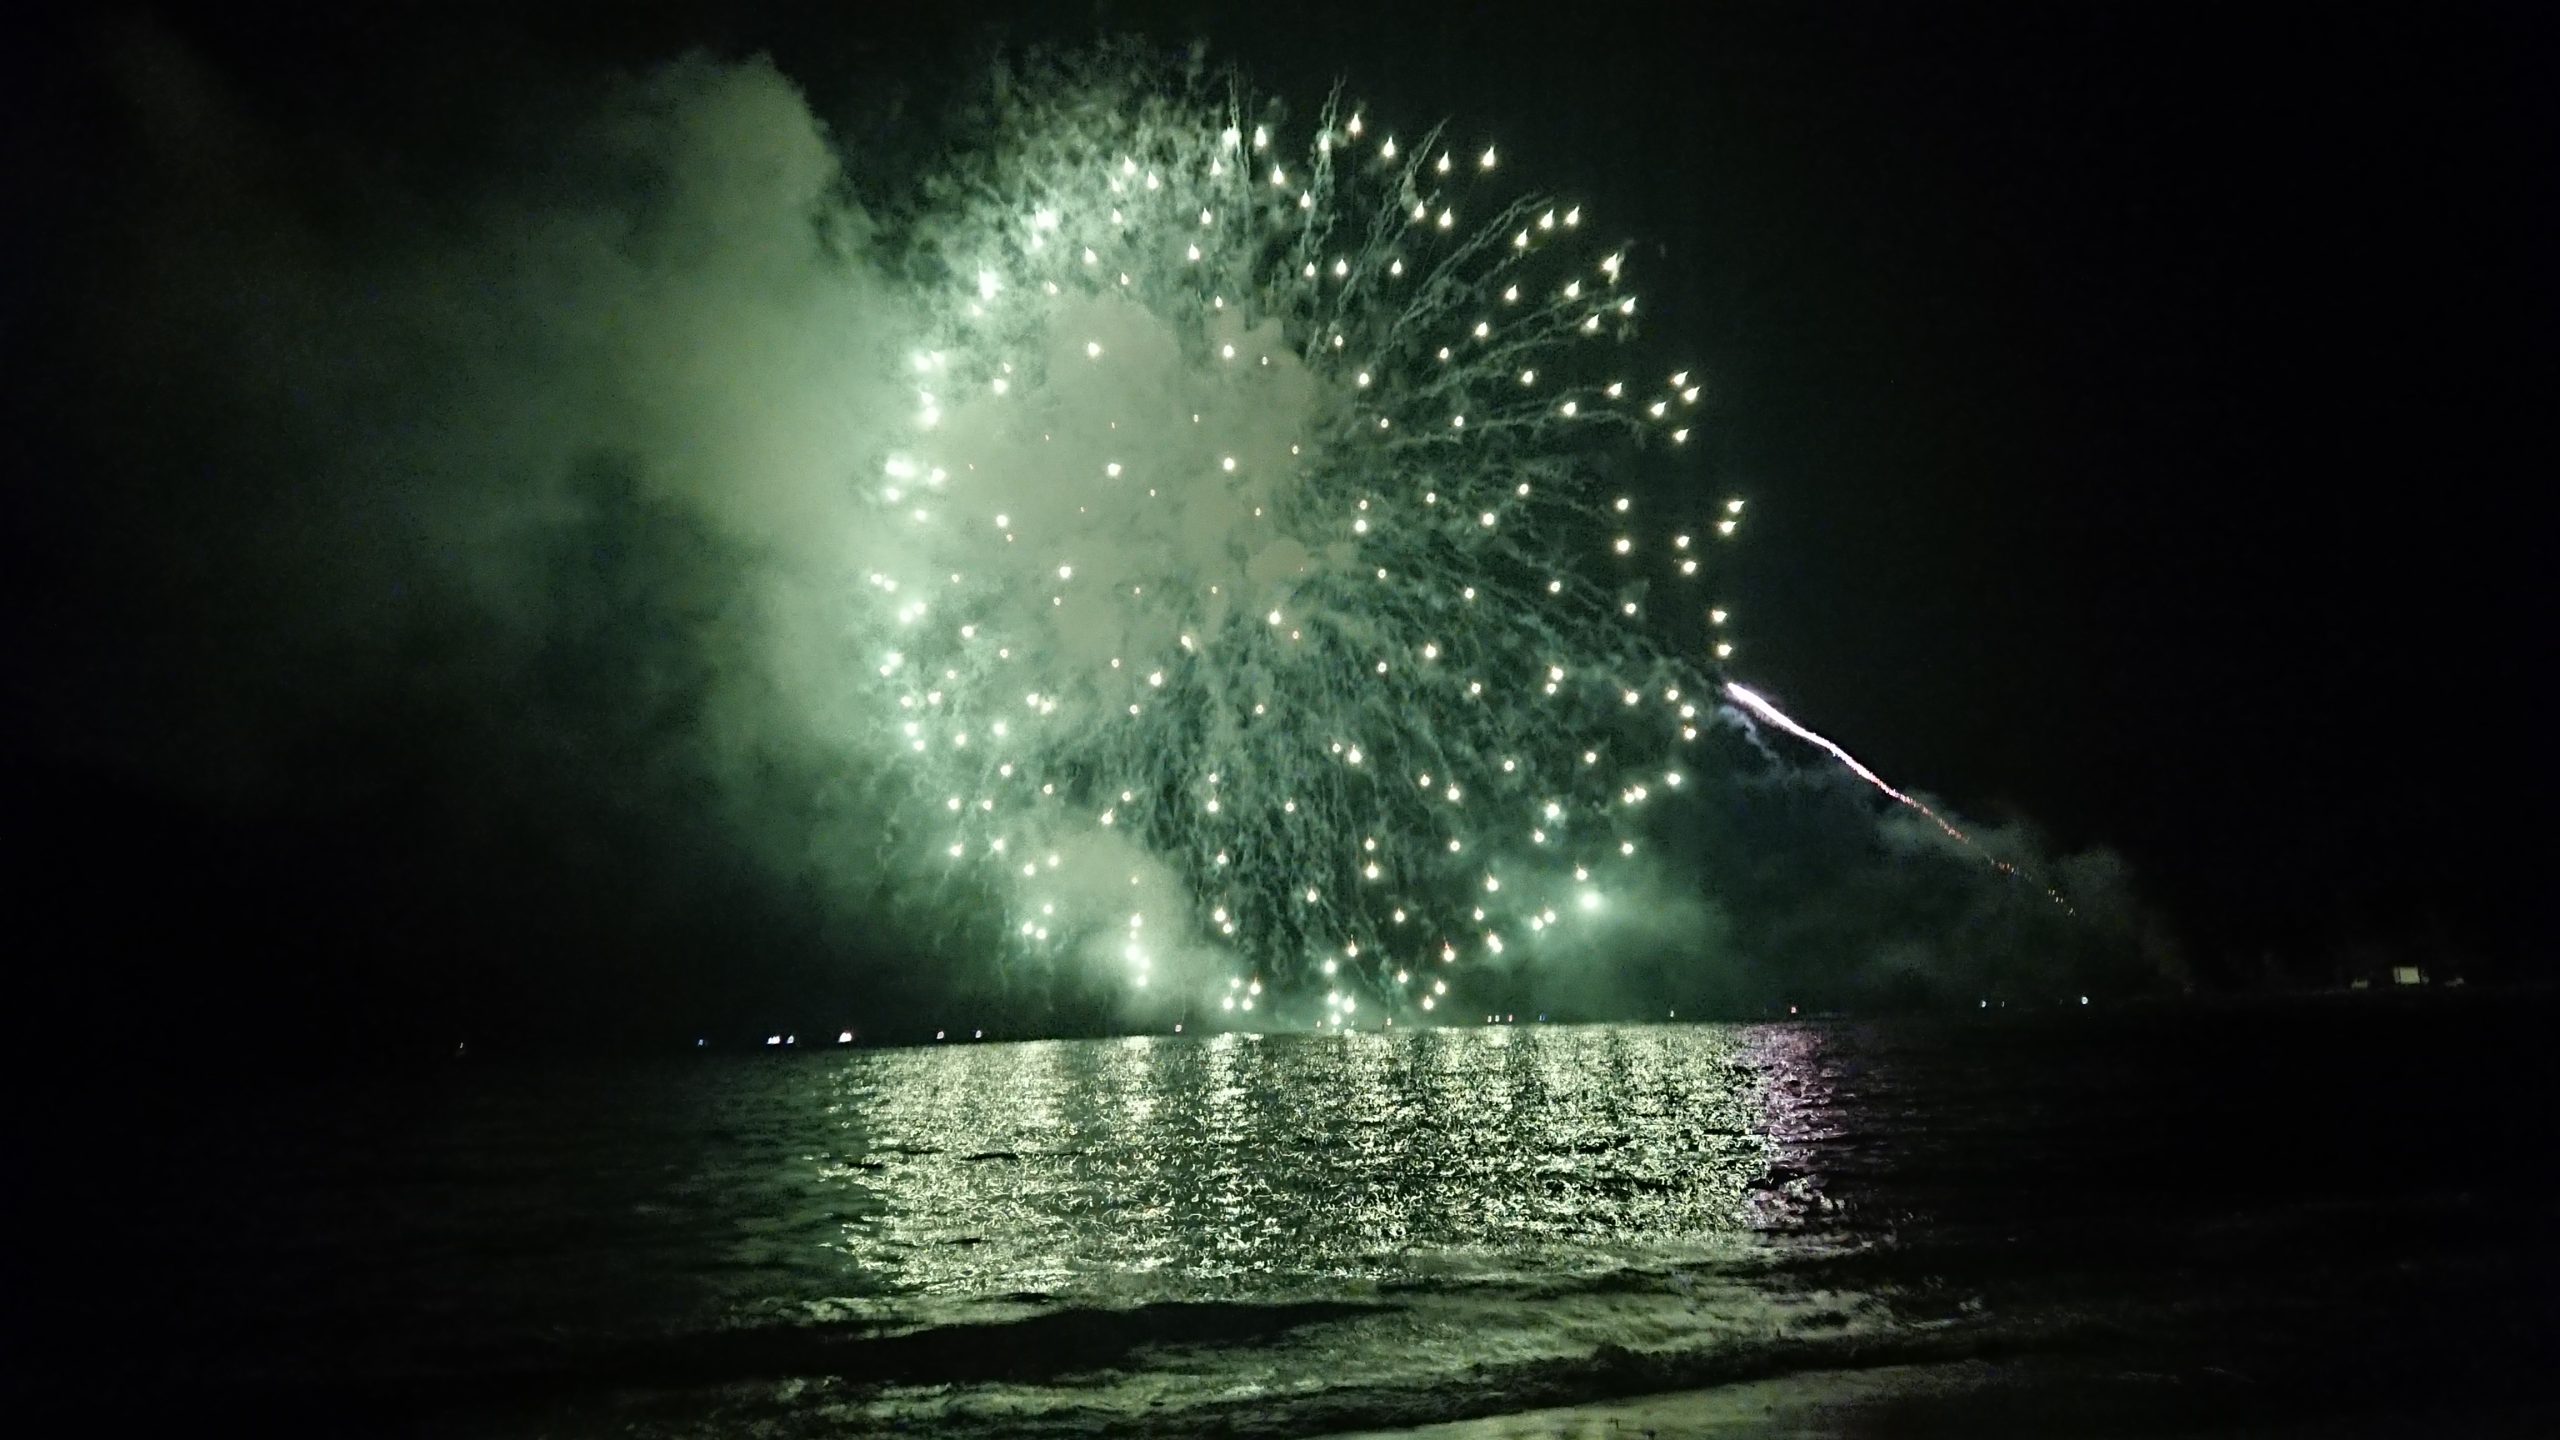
(1590, 900)
(1227, 463)
(1093, 349)
(1715, 617)
(1733, 507)
(1486, 159)
(1448, 218)
(1066, 572)
(1633, 696)
(1723, 650)
(1569, 408)
(1724, 527)
(1483, 329)
(1623, 545)
(1454, 845)
(1486, 519)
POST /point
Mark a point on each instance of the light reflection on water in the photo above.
(911, 1185)
(1239, 1162)
(1389, 1226)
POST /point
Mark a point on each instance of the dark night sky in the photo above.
(2139, 406)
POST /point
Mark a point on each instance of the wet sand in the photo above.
(1980, 1398)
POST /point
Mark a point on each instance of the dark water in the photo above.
(2276, 1212)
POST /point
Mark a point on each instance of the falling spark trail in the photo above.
(1758, 706)
(1779, 718)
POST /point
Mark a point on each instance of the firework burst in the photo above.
(1261, 625)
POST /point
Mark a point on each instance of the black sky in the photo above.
(2142, 408)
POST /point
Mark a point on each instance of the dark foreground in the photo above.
(2308, 1220)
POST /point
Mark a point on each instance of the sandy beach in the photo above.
(1980, 1398)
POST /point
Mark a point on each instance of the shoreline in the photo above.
(1965, 1399)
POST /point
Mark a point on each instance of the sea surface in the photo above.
(2181, 1217)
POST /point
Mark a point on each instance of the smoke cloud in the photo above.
(505, 512)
